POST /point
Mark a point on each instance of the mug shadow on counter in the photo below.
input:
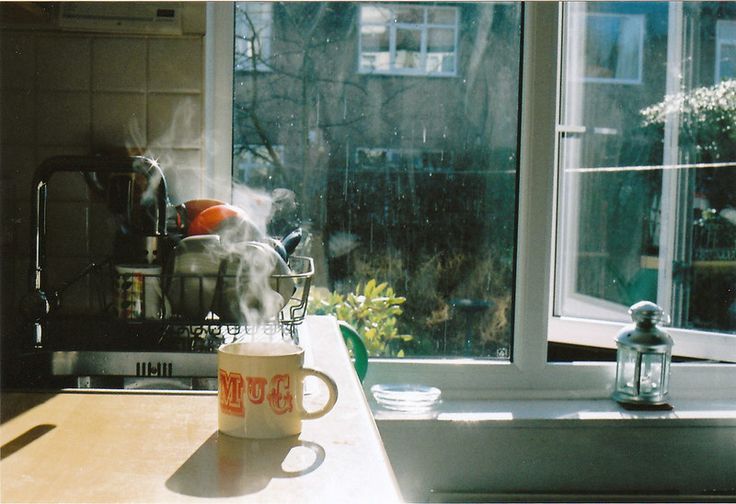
(226, 466)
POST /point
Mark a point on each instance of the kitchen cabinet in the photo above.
(115, 446)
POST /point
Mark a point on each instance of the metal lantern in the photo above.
(644, 354)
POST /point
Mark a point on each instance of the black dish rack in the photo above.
(93, 347)
(170, 331)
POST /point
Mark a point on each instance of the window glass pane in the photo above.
(438, 15)
(728, 61)
(408, 48)
(376, 14)
(613, 46)
(408, 180)
(408, 15)
(375, 48)
(440, 50)
(648, 204)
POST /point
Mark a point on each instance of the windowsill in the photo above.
(570, 413)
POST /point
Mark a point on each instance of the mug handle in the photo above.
(331, 387)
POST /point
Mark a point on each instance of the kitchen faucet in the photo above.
(38, 302)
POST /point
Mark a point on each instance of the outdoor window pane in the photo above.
(405, 186)
(439, 15)
(409, 15)
(375, 45)
(440, 50)
(376, 14)
(728, 61)
(408, 48)
(613, 47)
(648, 204)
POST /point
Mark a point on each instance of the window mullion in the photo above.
(218, 102)
(536, 187)
(671, 179)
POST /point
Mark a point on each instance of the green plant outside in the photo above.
(372, 309)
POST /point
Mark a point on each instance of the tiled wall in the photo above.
(83, 93)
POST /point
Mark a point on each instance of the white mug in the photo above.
(261, 390)
(138, 291)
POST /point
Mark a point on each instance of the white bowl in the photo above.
(406, 397)
(194, 277)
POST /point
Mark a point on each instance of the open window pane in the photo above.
(648, 172)
(408, 180)
(613, 47)
(725, 50)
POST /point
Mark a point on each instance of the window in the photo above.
(613, 47)
(406, 182)
(648, 188)
(725, 50)
(252, 36)
(408, 39)
(480, 183)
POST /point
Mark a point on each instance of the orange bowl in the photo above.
(197, 206)
(211, 219)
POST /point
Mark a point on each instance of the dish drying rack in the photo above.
(100, 350)
(88, 345)
(170, 331)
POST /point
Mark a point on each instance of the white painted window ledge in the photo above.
(566, 412)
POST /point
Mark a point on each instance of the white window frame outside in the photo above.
(423, 28)
(529, 375)
(725, 35)
(639, 19)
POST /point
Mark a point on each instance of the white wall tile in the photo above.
(119, 64)
(66, 229)
(18, 56)
(18, 166)
(175, 65)
(102, 227)
(193, 17)
(68, 186)
(64, 63)
(174, 121)
(63, 118)
(17, 119)
(183, 171)
(119, 120)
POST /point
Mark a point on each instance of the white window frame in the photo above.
(529, 375)
(725, 35)
(423, 28)
(639, 19)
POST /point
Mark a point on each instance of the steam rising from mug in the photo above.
(251, 294)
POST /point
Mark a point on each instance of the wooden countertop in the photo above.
(159, 447)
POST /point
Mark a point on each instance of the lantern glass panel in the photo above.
(626, 374)
(651, 378)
